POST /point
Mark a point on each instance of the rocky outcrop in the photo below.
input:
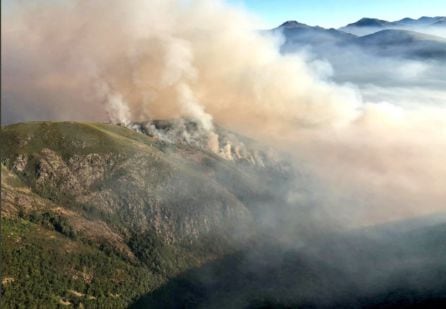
(19, 201)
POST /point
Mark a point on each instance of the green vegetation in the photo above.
(44, 264)
(67, 138)
(42, 268)
(99, 214)
(52, 222)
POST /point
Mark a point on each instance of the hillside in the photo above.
(373, 269)
(86, 202)
(165, 214)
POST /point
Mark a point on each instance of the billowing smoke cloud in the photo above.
(130, 61)
(170, 58)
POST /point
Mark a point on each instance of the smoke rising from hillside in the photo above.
(130, 61)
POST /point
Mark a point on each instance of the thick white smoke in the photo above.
(175, 58)
(204, 59)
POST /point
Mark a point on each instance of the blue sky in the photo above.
(336, 13)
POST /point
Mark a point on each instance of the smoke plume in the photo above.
(136, 60)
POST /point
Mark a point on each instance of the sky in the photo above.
(337, 13)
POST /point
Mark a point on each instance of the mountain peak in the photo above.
(406, 21)
(369, 22)
(292, 24)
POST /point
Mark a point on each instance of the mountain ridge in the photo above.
(148, 205)
(366, 26)
(385, 40)
(147, 214)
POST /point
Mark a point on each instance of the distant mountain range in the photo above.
(406, 38)
(369, 25)
(296, 32)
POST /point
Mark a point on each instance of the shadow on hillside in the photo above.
(406, 270)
